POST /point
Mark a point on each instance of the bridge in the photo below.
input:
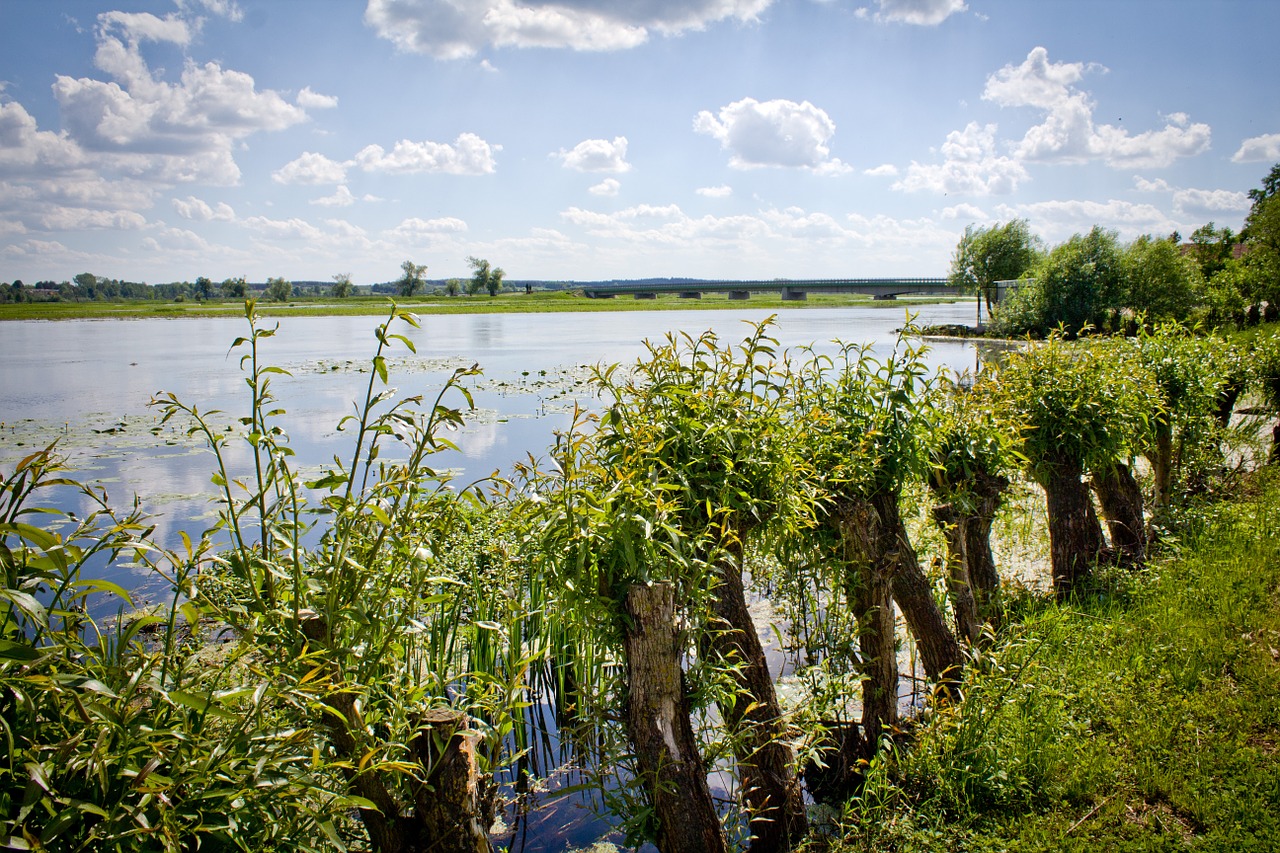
(792, 290)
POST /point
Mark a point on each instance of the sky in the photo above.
(161, 140)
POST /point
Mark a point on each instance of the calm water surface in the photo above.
(88, 384)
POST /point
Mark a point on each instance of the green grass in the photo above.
(1143, 717)
(507, 303)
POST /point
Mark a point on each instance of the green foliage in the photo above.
(967, 437)
(1162, 282)
(485, 277)
(410, 281)
(342, 286)
(1080, 283)
(133, 735)
(865, 419)
(1071, 403)
(278, 290)
(386, 616)
(985, 256)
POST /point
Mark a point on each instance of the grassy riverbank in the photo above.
(1143, 716)
(507, 303)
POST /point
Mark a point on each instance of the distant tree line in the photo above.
(1094, 282)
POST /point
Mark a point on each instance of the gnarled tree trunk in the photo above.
(953, 525)
(659, 727)
(914, 594)
(1075, 534)
(765, 760)
(868, 588)
(987, 492)
(1120, 497)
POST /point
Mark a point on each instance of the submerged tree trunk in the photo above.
(765, 760)
(1075, 534)
(658, 725)
(1121, 499)
(964, 606)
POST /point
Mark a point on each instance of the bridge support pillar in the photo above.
(599, 295)
(646, 296)
(691, 294)
(790, 294)
(884, 297)
(739, 295)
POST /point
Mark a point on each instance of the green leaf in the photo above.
(10, 650)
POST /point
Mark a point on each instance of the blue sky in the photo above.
(161, 140)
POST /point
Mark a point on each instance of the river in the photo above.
(87, 384)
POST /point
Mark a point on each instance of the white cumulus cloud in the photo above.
(777, 133)
(970, 166)
(310, 100)
(468, 155)
(199, 210)
(310, 168)
(455, 29)
(722, 191)
(1068, 133)
(597, 155)
(607, 188)
(1258, 149)
(926, 13)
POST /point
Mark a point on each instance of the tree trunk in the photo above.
(1227, 396)
(914, 594)
(669, 763)
(1075, 535)
(1161, 465)
(959, 590)
(447, 811)
(765, 761)
(446, 817)
(1121, 499)
(868, 588)
(987, 491)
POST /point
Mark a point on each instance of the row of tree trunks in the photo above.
(987, 493)
(766, 764)
(658, 724)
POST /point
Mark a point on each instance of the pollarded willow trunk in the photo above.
(1120, 497)
(1161, 464)
(868, 588)
(444, 814)
(914, 594)
(765, 761)
(1075, 534)
(987, 492)
(670, 765)
(954, 525)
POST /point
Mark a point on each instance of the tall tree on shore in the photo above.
(342, 286)
(985, 256)
(485, 277)
(410, 281)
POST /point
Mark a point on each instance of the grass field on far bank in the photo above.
(506, 303)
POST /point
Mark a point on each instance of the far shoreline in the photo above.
(509, 303)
